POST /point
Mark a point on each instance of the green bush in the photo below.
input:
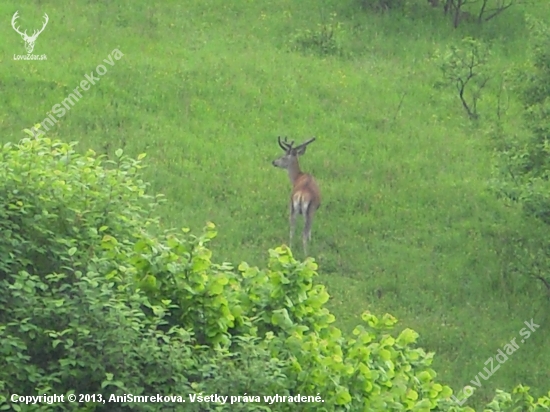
(322, 41)
(524, 162)
(67, 325)
(55, 201)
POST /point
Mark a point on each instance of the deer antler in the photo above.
(285, 145)
(306, 143)
(14, 18)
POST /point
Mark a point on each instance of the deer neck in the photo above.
(294, 171)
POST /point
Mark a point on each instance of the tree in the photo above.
(486, 12)
(488, 9)
(464, 68)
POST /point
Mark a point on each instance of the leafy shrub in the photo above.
(67, 324)
(282, 309)
(322, 41)
(80, 337)
(55, 200)
(524, 162)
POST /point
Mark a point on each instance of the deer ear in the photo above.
(301, 150)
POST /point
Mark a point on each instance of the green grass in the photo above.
(406, 226)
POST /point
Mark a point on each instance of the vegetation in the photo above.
(97, 297)
(523, 169)
(468, 11)
(464, 69)
(526, 156)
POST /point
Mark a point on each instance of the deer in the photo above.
(305, 197)
(29, 40)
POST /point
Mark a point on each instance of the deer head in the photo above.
(291, 153)
(29, 40)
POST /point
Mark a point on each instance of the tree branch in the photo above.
(496, 12)
(543, 280)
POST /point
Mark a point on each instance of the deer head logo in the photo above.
(29, 40)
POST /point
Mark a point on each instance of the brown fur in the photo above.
(306, 190)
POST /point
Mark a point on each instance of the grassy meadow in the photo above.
(407, 224)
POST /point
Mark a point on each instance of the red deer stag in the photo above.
(305, 198)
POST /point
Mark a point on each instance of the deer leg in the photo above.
(307, 229)
(292, 223)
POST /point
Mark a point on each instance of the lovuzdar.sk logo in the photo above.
(29, 40)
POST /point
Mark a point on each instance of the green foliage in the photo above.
(322, 41)
(465, 68)
(76, 334)
(57, 204)
(283, 306)
(68, 323)
(522, 165)
(283, 310)
(524, 160)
